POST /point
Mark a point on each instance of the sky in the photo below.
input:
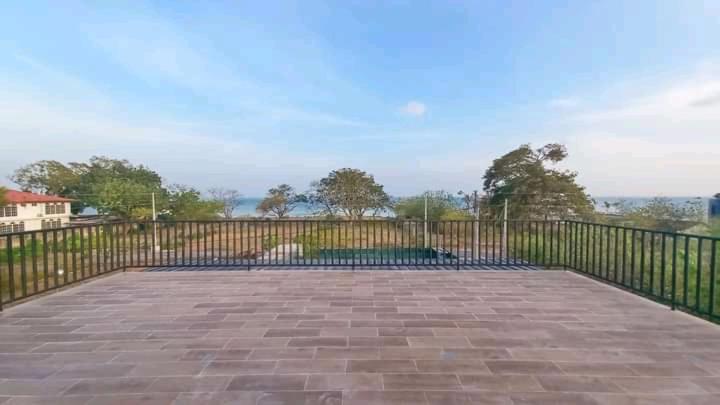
(423, 95)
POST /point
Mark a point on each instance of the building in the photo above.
(25, 211)
(714, 207)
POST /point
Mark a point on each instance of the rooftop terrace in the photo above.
(342, 337)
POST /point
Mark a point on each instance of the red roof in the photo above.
(22, 197)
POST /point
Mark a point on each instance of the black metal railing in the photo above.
(675, 269)
(33, 262)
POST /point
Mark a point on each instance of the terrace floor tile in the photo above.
(354, 338)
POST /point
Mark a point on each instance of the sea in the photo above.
(248, 206)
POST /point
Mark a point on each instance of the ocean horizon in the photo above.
(247, 207)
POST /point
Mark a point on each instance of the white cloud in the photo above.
(660, 142)
(414, 108)
(564, 103)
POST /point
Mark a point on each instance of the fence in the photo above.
(676, 269)
(37, 261)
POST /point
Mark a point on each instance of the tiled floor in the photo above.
(380, 337)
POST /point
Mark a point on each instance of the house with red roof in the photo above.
(24, 211)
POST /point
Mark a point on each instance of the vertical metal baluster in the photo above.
(23, 269)
(632, 259)
(33, 252)
(515, 239)
(652, 263)
(11, 270)
(56, 259)
(686, 271)
(662, 265)
(82, 253)
(65, 258)
(607, 252)
(673, 284)
(457, 244)
(464, 239)
(46, 267)
(494, 226)
(73, 254)
(234, 244)
(713, 265)
(698, 274)
(544, 244)
(597, 249)
(642, 260)
(624, 256)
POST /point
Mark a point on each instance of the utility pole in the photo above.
(156, 248)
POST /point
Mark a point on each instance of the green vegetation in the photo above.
(3, 191)
(441, 205)
(660, 214)
(115, 187)
(532, 189)
(280, 201)
(351, 192)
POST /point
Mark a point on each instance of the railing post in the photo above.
(674, 273)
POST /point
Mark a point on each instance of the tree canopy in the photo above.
(441, 206)
(280, 201)
(229, 198)
(351, 192)
(114, 187)
(3, 192)
(532, 187)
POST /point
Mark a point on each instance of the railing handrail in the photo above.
(640, 229)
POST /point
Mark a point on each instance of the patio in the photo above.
(364, 337)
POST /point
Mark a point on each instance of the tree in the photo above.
(83, 181)
(186, 203)
(471, 202)
(47, 177)
(439, 204)
(230, 199)
(532, 189)
(280, 201)
(127, 199)
(3, 192)
(349, 191)
(662, 214)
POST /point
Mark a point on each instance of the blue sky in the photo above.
(421, 94)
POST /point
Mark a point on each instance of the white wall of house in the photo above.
(34, 216)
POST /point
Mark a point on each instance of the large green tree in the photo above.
(48, 177)
(533, 187)
(88, 182)
(280, 201)
(3, 191)
(351, 192)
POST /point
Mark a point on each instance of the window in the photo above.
(19, 227)
(8, 211)
(49, 209)
(5, 228)
(34, 204)
(60, 208)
